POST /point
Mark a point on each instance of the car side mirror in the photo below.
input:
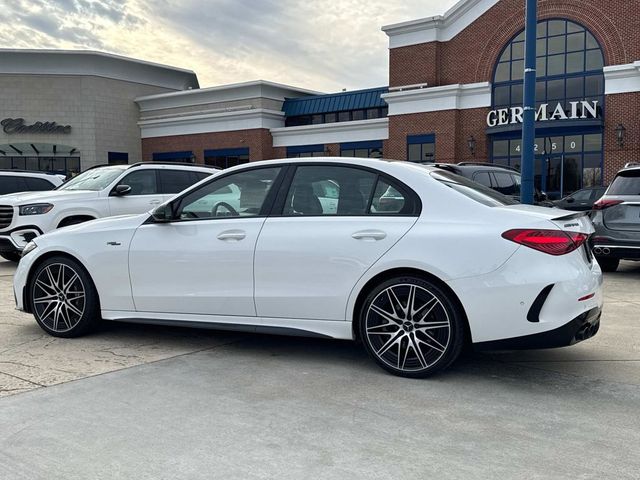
(570, 200)
(122, 190)
(162, 214)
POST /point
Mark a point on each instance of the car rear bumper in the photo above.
(584, 326)
(618, 251)
(531, 296)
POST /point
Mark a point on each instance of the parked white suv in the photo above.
(98, 192)
(13, 181)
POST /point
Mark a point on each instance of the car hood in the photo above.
(50, 196)
(120, 223)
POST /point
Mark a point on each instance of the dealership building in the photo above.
(454, 94)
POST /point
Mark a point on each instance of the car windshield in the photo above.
(95, 179)
(626, 183)
(473, 190)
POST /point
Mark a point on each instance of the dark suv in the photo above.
(505, 180)
(616, 217)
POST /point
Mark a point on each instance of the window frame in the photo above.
(283, 192)
(176, 203)
(129, 172)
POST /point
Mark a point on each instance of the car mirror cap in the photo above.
(570, 200)
(122, 190)
(162, 214)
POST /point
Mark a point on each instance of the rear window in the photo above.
(626, 183)
(473, 190)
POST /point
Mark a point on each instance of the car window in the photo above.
(95, 179)
(387, 199)
(626, 183)
(473, 190)
(38, 184)
(349, 194)
(482, 178)
(504, 183)
(175, 181)
(142, 182)
(597, 193)
(241, 194)
(11, 184)
(201, 175)
(581, 195)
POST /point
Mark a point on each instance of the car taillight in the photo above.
(553, 242)
(602, 204)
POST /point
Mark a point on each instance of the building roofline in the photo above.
(15, 61)
(438, 27)
(230, 86)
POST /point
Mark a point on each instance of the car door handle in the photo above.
(369, 235)
(232, 235)
(154, 202)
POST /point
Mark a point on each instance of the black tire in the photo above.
(11, 256)
(63, 298)
(392, 337)
(608, 264)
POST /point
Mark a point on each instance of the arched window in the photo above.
(569, 68)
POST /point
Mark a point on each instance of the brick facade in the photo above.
(471, 56)
(259, 142)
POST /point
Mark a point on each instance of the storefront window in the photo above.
(569, 74)
(226, 157)
(421, 148)
(371, 149)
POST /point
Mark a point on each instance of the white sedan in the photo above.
(256, 248)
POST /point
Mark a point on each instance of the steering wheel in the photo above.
(232, 211)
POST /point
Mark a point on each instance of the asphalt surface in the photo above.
(154, 402)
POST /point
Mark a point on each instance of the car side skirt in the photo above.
(276, 326)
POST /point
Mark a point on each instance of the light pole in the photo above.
(529, 103)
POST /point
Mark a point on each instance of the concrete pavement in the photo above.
(147, 402)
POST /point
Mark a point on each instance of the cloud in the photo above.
(323, 45)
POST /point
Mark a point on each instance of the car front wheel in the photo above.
(411, 327)
(63, 298)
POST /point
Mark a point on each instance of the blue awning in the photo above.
(305, 149)
(172, 155)
(359, 145)
(336, 102)
(226, 152)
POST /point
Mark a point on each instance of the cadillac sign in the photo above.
(513, 115)
(17, 125)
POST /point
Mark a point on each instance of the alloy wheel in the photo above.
(58, 297)
(408, 327)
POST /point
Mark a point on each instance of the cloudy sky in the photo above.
(324, 45)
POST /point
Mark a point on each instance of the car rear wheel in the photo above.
(608, 264)
(411, 327)
(63, 298)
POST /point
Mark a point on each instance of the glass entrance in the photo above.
(563, 163)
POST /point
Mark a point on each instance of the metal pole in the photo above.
(529, 104)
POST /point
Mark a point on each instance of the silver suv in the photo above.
(616, 217)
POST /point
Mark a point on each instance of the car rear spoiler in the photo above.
(572, 216)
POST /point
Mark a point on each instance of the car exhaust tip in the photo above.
(606, 251)
(597, 250)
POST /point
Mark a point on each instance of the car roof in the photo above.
(28, 173)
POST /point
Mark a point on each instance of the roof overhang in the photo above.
(439, 28)
(92, 63)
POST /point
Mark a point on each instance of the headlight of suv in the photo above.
(28, 248)
(35, 209)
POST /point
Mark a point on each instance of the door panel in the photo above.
(199, 267)
(306, 267)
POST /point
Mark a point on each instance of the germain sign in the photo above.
(578, 110)
(17, 125)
